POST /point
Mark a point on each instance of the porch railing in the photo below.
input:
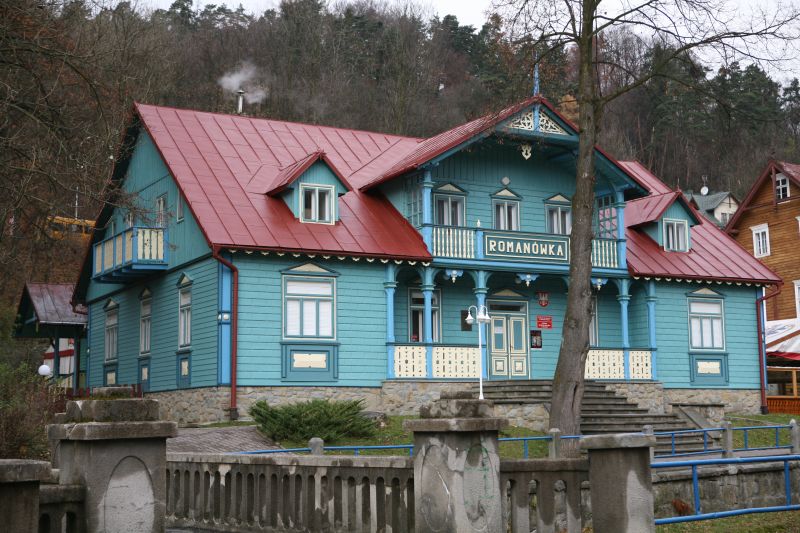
(603, 363)
(783, 395)
(133, 248)
(465, 243)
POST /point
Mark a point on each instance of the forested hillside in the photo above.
(69, 71)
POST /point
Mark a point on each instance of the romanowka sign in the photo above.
(533, 247)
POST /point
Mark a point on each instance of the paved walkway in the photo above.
(218, 440)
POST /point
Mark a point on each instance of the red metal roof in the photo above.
(647, 209)
(224, 165)
(51, 304)
(713, 254)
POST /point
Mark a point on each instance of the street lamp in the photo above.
(44, 371)
(482, 317)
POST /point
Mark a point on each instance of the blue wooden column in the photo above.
(427, 317)
(427, 209)
(624, 298)
(622, 250)
(389, 287)
(651, 299)
(480, 291)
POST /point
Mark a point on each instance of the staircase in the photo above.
(602, 411)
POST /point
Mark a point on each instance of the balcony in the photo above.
(133, 253)
(451, 242)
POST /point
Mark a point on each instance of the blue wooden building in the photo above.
(256, 259)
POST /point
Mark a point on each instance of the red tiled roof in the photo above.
(713, 254)
(51, 303)
(224, 165)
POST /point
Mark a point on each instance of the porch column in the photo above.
(624, 297)
(622, 260)
(427, 317)
(56, 360)
(427, 209)
(480, 291)
(76, 363)
(389, 287)
(651, 299)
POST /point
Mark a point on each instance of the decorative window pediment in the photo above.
(705, 291)
(558, 199)
(505, 192)
(506, 293)
(145, 294)
(110, 304)
(184, 280)
(450, 188)
(310, 268)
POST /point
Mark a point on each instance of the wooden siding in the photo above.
(784, 236)
(672, 334)
(164, 329)
(637, 317)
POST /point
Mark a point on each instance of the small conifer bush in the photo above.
(332, 421)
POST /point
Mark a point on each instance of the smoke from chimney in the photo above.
(244, 83)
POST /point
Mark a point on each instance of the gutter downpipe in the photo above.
(233, 411)
(762, 355)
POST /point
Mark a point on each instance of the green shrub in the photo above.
(331, 421)
(27, 405)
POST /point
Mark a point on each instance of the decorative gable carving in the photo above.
(548, 125)
(525, 121)
(704, 292)
(309, 267)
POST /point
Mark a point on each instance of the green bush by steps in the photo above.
(331, 421)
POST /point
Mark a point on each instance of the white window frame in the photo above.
(436, 314)
(759, 230)
(145, 323)
(161, 211)
(112, 228)
(179, 209)
(797, 298)
(679, 224)
(129, 219)
(184, 317)
(414, 203)
(448, 213)
(302, 300)
(706, 316)
(560, 208)
(504, 204)
(111, 333)
(314, 219)
(782, 189)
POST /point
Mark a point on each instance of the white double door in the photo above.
(507, 342)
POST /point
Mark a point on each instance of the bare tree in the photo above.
(716, 29)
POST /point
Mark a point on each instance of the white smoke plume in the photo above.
(246, 77)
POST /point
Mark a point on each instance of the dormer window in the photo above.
(317, 203)
(781, 187)
(676, 238)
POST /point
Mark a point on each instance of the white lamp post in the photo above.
(482, 317)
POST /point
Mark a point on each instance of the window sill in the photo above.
(311, 340)
(145, 355)
(183, 350)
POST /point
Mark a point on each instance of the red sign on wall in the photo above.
(544, 321)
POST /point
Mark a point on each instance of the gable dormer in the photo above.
(311, 188)
(667, 218)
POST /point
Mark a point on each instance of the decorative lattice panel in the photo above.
(605, 364)
(523, 122)
(548, 125)
(641, 364)
(455, 362)
(409, 362)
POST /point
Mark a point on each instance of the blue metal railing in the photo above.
(699, 515)
(673, 444)
(746, 431)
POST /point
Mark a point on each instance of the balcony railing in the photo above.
(467, 243)
(134, 252)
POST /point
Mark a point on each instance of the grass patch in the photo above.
(788, 522)
(760, 438)
(229, 424)
(394, 434)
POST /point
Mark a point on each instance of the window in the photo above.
(594, 329)
(184, 376)
(179, 209)
(144, 374)
(112, 228)
(112, 333)
(416, 322)
(111, 377)
(605, 218)
(129, 220)
(316, 203)
(559, 219)
(161, 211)
(760, 240)
(676, 238)
(414, 203)
(797, 299)
(781, 187)
(706, 324)
(309, 308)
(185, 317)
(724, 218)
(506, 215)
(449, 210)
(145, 310)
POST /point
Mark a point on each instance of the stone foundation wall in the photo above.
(647, 395)
(535, 416)
(746, 401)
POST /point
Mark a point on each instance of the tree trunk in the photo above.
(568, 383)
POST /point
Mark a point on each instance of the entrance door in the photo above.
(508, 351)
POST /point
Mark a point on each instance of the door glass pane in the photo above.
(415, 335)
(456, 211)
(435, 320)
(517, 335)
(498, 334)
(442, 213)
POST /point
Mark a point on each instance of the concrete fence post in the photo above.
(19, 492)
(554, 445)
(457, 466)
(648, 430)
(620, 482)
(795, 431)
(727, 439)
(317, 446)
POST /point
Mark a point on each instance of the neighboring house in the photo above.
(718, 207)
(45, 311)
(768, 226)
(283, 261)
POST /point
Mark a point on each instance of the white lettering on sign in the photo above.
(709, 367)
(528, 248)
